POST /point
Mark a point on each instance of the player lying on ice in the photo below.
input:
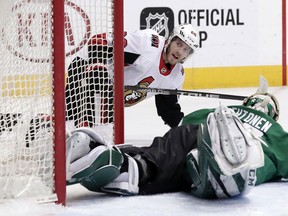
(215, 153)
(150, 61)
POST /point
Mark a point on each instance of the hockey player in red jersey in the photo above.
(150, 61)
(216, 153)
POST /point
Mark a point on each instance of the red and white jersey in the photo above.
(144, 63)
(144, 66)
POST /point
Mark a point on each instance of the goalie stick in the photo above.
(186, 93)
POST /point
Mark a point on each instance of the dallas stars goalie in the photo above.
(215, 154)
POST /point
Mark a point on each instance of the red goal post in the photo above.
(40, 40)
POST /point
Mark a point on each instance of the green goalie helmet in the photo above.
(264, 102)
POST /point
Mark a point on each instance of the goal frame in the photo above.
(119, 70)
(59, 98)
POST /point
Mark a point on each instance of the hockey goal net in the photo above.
(39, 45)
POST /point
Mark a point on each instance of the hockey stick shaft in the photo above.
(185, 93)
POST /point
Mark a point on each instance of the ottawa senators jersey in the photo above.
(145, 66)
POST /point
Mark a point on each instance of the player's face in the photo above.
(177, 51)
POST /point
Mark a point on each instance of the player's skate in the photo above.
(90, 161)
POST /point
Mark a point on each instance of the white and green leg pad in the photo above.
(233, 147)
(96, 169)
(92, 168)
(103, 170)
(227, 156)
(127, 182)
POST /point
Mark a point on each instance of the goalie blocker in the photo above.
(223, 164)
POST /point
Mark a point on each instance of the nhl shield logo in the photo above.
(160, 19)
(159, 23)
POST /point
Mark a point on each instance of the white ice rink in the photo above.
(142, 124)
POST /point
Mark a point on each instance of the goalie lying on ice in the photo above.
(212, 155)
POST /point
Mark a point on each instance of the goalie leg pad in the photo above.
(232, 146)
(90, 161)
(77, 145)
(79, 142)
(232, 138)
(103, 170)
(228, 156)
(206, 173)
(127, 182)
(193, 168)
(96, 169)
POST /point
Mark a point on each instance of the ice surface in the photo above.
(142, 124)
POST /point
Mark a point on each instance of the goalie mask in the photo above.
(263, 102)
(187, 34)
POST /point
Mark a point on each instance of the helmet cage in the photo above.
(272, 105)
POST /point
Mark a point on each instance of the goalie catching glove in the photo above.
(225, 162)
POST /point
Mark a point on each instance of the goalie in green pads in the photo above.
(215, 153)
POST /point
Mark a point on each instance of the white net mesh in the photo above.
(26, 148)
(26, 87)
(89, 52)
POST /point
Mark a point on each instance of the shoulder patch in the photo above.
(154, 40)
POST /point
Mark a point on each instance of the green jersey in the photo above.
(276, 139)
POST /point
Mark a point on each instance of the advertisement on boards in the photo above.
(238, 39)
